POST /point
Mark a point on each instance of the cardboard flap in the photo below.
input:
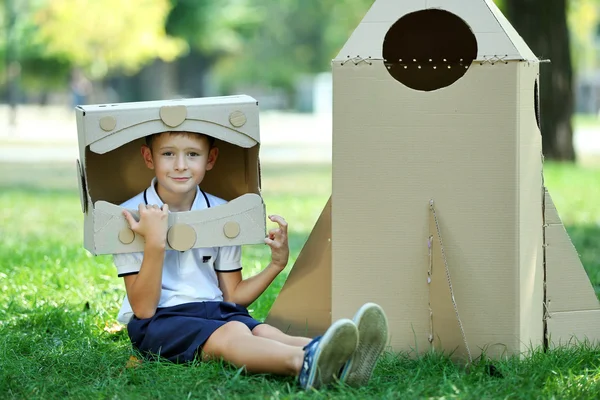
(573, 328)
(568, 288)
(127, 135)
(242, 206)
(496, 38)
(303, 306)
(239, 222)
(233, 119)
(445, 333)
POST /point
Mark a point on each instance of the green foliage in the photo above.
(56, 302)
(213, 28)
(297, 37)
(583, 18)
(261, 42)
(37, 69)
(103, 36)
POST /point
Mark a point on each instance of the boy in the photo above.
(183, 304)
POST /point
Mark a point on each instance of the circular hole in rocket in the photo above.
(421, 36)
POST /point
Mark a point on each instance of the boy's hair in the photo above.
(150, 138)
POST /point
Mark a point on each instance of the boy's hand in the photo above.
(278, 242)
(153, 223)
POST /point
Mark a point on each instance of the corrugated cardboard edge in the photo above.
(530, 195)
(568, 287)
(303, 306)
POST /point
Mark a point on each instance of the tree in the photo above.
(296, 37)
(543, 26)
(583, 18)
(213, 30)
(108, 35)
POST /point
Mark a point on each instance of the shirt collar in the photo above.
(152, 197)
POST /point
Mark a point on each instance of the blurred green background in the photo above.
(58, 53)
(58, 304)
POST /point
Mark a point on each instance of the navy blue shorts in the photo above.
(178, 333)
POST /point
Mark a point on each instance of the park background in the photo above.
(58, 304)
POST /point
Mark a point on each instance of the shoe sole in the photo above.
(335, 349)
(372, 327)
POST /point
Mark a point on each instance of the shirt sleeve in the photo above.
(229, 259)
(128, 263)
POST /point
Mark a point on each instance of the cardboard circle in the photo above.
(237, 119)
(429, 49)
(173, 116)
(126, 236)
(231, 229)
(181, 237)
(82, 187)
(108, 123)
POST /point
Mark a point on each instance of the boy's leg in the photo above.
(236, 344)
(317, 365)
(270, 332)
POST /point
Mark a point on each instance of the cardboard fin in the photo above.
(446, 335)
(573, 327)
(568, 287)
(303, 306)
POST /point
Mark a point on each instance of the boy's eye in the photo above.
(167, 153)
(193, 154)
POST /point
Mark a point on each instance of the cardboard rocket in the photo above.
(439, 211)
(111, 171)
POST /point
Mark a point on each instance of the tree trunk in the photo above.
(543, 26)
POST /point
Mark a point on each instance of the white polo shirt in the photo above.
(188, 276)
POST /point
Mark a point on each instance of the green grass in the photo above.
(586, 121)
(56, 300)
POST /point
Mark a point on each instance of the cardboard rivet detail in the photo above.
(231, 229)
(108, 123)
(126, 236)
(181, 237)
(173, 116)
(237, 119)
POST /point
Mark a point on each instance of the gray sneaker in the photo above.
(325, 355)
(372, 337)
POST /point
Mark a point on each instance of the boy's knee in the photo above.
(232, 330)
(221, 339)
(263, 330)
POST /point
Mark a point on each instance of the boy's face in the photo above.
(179, 161)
